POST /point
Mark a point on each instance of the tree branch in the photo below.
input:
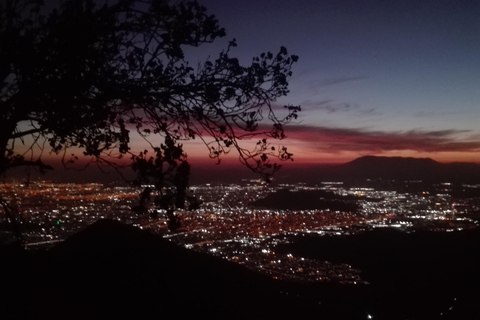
(25, 133)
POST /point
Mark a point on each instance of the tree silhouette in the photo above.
(85, 75)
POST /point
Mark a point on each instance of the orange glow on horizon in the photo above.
(198, 154)
(307, 149)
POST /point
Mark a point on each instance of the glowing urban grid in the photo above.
(227, 226)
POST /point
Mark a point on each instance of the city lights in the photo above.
(228, 226)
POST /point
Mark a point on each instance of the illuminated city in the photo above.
(203, 159)
(229, 224)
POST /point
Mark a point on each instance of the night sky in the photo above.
(387, 78)
(384, 78)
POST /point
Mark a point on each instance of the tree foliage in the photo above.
(86, 74)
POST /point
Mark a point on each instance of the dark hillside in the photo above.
(110, 270)
(413, 275)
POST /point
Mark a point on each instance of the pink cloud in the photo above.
(360, 140)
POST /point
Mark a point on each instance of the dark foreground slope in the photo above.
(114, 271)
(419, 275)
(110, 270)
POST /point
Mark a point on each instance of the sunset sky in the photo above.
(385, 78)
(389, 78)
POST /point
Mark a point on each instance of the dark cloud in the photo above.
(315, 86)
(438, 133)
(361, 140)
(371, 111)
(316, 104)
(433, 114)
(333, 107)
(332, 81)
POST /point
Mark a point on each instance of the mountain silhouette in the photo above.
(426, 169)
(386, 168)
(112, 270)
(391, 168)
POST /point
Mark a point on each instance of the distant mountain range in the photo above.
(424, 169)
(388, 168)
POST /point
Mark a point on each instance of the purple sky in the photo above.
(387, 78)
(391, 78)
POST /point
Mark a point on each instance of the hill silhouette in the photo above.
(415, 275)
(111, 270)
(392, 167)
(401, 168)
(387, 168)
